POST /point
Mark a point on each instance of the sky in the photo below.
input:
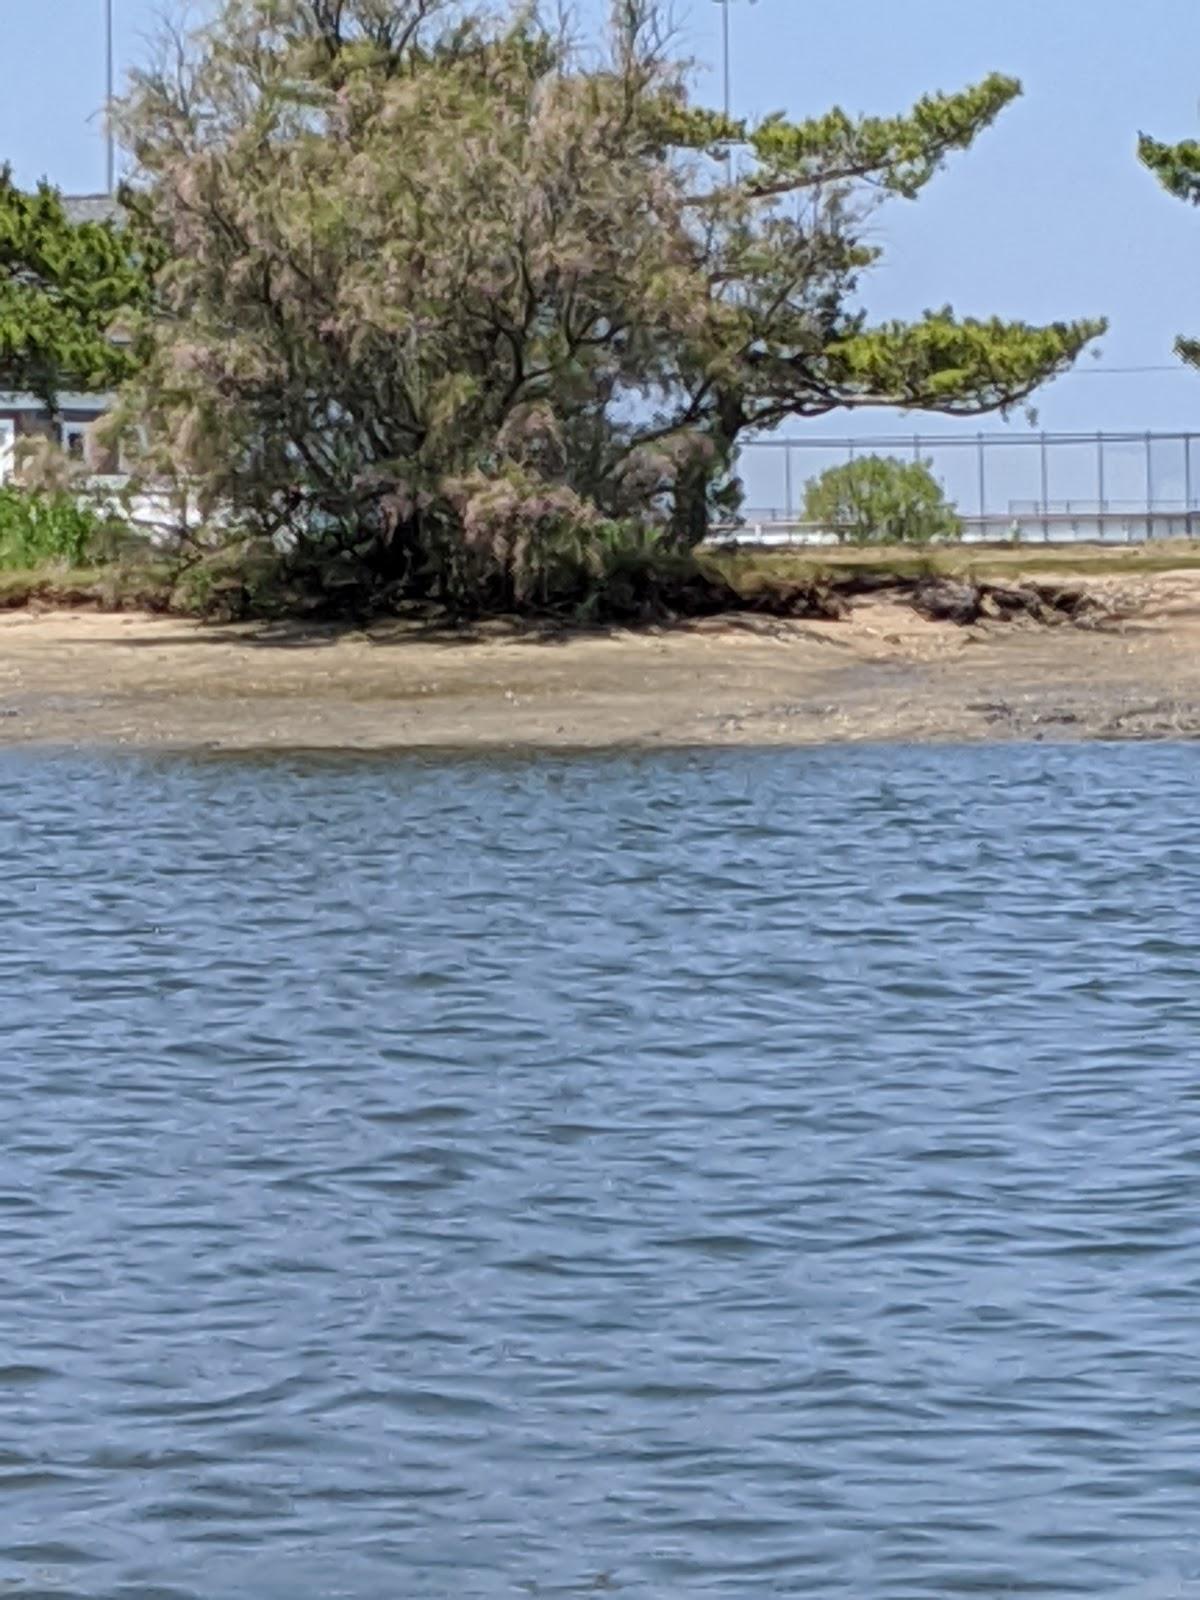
(1049, 216)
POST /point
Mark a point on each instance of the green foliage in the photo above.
(901, 153)
(881, 500)
(959, 367)
(64, 289)
(36, 528)
(1177, 168)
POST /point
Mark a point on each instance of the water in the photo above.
(732, 1174)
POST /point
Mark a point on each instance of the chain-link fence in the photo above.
(1047, 487)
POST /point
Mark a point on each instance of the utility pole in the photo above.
(109, 92)
(725, 73)
(727, 70)
(725, 56)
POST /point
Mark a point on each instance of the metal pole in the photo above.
(110, 85)
(1045, 490)
(724, 5)
(727, 76)
(727, 72)
(982, 481)
(787, 478)
(1187, 485)
(1149, 488)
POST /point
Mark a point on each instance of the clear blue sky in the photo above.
(1048, 216)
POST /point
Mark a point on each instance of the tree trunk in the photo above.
(690, 519)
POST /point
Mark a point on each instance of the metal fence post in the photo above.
(1045, 463)
(787, 480)
(982, 460)
(1187, 484)
(1149, 488)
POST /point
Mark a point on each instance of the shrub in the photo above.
(881, 500)
(36, 527)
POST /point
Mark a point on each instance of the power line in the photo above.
(1117, 372)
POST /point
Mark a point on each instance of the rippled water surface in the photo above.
(732, 1174)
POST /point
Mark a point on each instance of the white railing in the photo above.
(770, 527)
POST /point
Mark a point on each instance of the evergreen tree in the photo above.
(1177, 168)
(64, 288)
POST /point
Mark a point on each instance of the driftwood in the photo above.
(964, 601)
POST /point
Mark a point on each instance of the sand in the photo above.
(91, 679)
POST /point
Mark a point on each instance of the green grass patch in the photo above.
(107, 588)
(37, 528)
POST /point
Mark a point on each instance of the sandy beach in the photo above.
(882, 673)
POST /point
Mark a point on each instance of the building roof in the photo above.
(91, 207)
(30, 405)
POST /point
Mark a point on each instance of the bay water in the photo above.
(732, 1173)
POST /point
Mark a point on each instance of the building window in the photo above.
(74, 438)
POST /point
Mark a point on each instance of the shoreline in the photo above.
(883, 673)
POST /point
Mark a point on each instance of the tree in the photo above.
(1177, 168)
(64, 287)
(419, 248)
(881, 500)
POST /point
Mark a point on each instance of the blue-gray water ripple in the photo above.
(720, 1174)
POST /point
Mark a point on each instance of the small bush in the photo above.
(516, 542)
(38, 527)
(881, 500)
